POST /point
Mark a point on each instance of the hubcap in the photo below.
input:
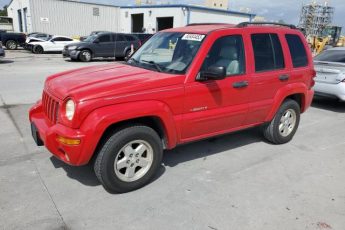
(287, 122)
(12, 45)
(133, 161)
(87, 56)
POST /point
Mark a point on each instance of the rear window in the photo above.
(331, 56)
(268, 52)
(297, 50)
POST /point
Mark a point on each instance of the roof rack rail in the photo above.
(206, 23)
(245, 24)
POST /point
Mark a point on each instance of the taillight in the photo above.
(312, 82)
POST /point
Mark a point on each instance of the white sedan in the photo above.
(55, 44)
(330, 73)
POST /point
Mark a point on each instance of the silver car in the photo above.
(330, 73)
(2, 51)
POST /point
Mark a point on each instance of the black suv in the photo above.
(102, 45)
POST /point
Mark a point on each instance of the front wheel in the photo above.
(85, 56)
(284, 124)
(129, 159)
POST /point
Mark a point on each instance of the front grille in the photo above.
(50, 107)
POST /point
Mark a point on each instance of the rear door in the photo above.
(120, 44)
(216, 106)
(269, 73)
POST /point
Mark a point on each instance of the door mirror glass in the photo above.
(213, 73)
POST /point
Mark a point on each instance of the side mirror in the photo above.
(52, 41)
(213, 73)
(96, 41)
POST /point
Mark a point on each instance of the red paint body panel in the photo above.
(188, 109)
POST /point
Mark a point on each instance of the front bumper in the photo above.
(330, 90)
(73, 54)
(45, 133)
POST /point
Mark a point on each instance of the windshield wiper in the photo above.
(154, 64)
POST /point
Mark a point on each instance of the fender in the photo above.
(283, 93)
(100, 119)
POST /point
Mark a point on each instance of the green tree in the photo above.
(3, 12)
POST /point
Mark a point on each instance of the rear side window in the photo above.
(297, 50)
(268, 52)
(119, 38)
(130, 38)
(331, 56)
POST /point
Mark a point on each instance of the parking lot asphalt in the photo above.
(236, 181)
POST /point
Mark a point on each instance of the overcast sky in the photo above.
(287, 10)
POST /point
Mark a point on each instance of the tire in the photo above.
(11, 45)
(38, 50)
(127, 54)
(85, 56)
(121, 166)
(284, 124)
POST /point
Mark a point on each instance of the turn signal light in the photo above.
(68, 141)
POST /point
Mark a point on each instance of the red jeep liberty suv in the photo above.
(184, 84)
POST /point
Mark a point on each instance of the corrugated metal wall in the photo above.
(72, 18)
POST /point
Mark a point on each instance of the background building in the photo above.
(221, 4)
(75, 18)
(63, 17)
(153, 18)
(315, 18)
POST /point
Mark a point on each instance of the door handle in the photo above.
(284, 77)
(240, 84)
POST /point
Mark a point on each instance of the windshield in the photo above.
(331, 56)
(168, 52)
(90, 38)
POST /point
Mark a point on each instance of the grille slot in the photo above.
(50, 107)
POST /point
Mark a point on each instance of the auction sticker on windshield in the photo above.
(193, 37)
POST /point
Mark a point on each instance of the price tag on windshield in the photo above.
(193, 37)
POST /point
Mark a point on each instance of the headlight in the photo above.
(72, 47)
(70, 109)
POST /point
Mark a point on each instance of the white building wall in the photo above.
(12, 12)
(150, 17)
(200, 16)
(67, 17)
(180, 15)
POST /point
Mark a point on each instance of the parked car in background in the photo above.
(143, 37)
(54, 44)
(330, 73)
(2, 51)
(184, 84)
(36, 37)
(102, 45)
(93, 33)
(12, 40)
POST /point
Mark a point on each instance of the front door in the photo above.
(105, 46)
(217, 106)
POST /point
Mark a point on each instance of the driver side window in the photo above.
(227, 52)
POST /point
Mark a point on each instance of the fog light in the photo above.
(68, 141)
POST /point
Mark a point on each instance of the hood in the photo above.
(33, 39)
(107, 80)
(77, 44)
